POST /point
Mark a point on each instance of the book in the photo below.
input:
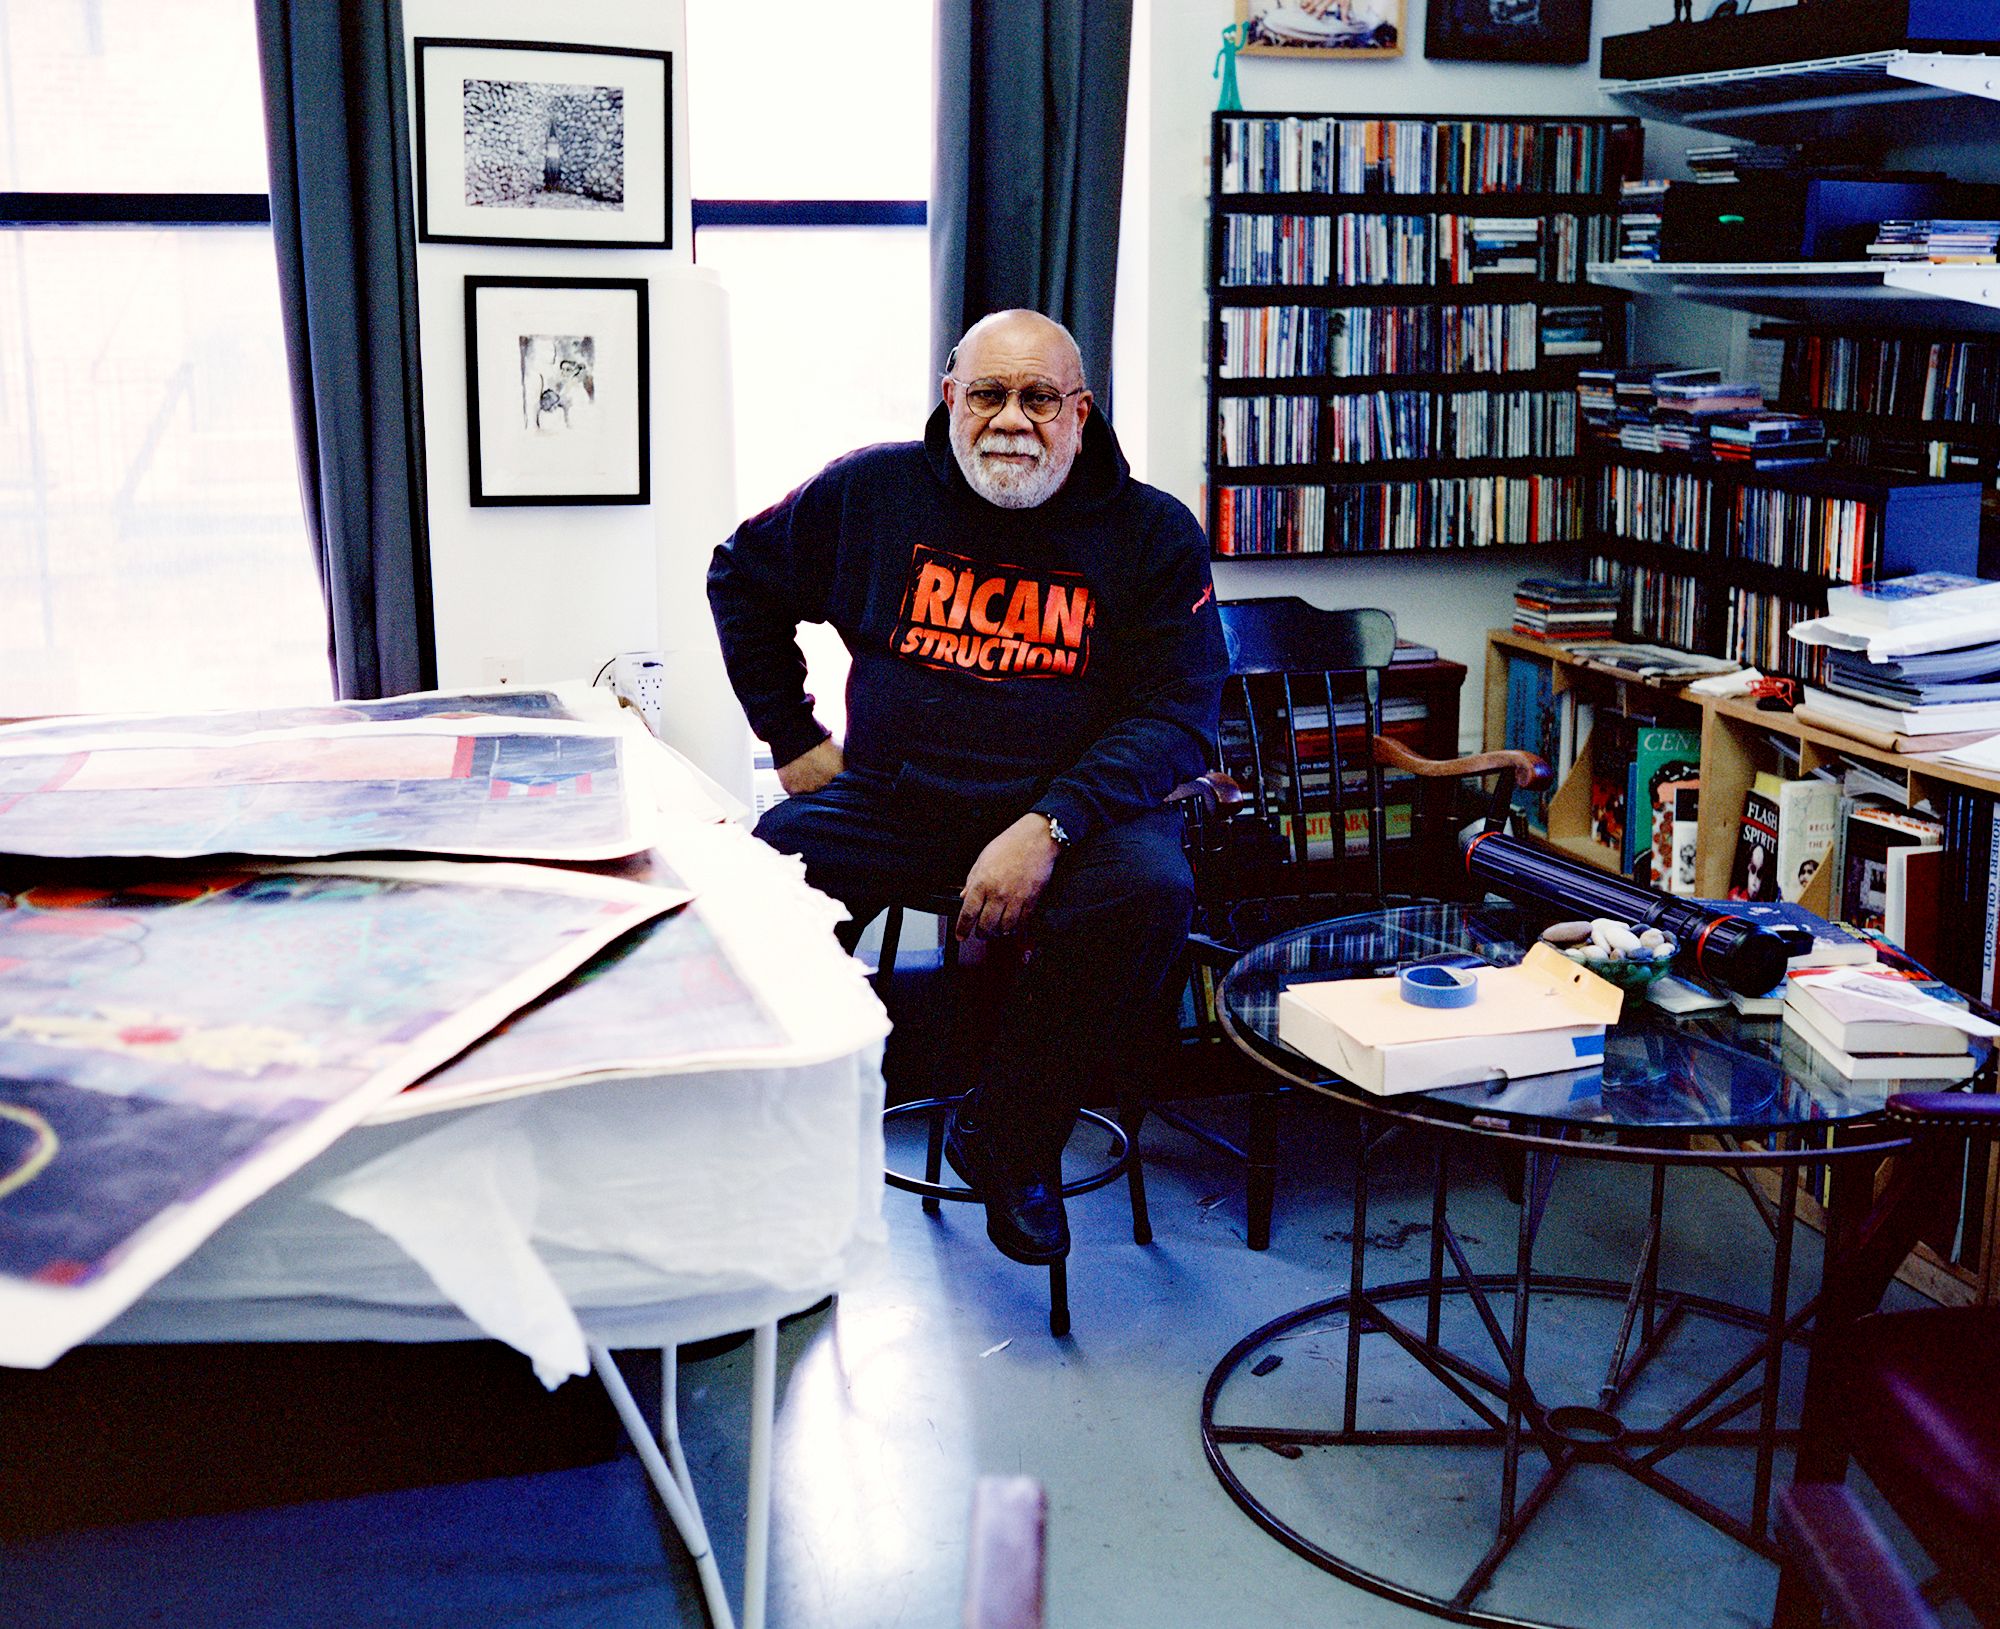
(1871, 832)
(1913, 901)
(1857, 1022)
(1814, 941)
(1937, 719)
(1896, 602)
(1683, 804)
(1858, 1066)
(1808, 813)
(1754, 872)
(1659, 757)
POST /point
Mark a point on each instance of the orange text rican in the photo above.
(998, 622)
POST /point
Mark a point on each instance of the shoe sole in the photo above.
(1013, 1252)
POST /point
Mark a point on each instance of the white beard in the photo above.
(1008, 486)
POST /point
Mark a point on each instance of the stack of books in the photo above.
(1572, 330)
(1768, 439)
(1724, 162)
(1565, 611)
(1639, 206)
(1814, 942)
(1911, 656)
(1874, 1023)
(1506, 246)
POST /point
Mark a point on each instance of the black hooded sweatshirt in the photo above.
(1066, 658)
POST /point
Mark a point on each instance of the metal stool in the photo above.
(1123, 1159)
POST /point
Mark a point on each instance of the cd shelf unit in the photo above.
(1722, 558)
(1398, 305)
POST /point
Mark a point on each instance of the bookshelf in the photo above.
(1859, 93)
(1397, 308)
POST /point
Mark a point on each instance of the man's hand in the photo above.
(809, 771)
(1008, 877)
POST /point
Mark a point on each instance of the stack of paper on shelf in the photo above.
(1909, 656)
(1874, 1024)
(1545, 1015)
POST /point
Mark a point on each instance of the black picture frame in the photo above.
(448, 210)
(502, 471)
(1538, 31)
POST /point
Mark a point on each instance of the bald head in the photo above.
(1017, 359)
(1015, 339)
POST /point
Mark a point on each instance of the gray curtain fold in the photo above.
(1028, 167)
(336, 121)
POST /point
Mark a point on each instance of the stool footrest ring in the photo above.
(1118, 1162)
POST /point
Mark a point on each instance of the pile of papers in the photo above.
(1911, 657)
(196, 998)
(1872, 1023)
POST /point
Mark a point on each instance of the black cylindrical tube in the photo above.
(1724, 949)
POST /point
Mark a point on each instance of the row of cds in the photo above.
(1811, 532)
(1670, 608)
(1459, 512)
(1306, 341)
(1653, 506)
(1406, 156)
(1663, 606)
(1954, 381)
(1253, 430)
(1758, 635)
(1349, 250)
(1807, 531)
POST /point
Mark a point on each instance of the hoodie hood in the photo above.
(1098, 475)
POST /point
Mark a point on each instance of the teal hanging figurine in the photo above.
(1234, 38)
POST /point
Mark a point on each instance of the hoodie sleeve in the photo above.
(774, 572)
(1177, 664)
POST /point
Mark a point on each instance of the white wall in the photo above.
(1448, 600)
(536, 594)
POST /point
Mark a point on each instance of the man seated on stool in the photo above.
(1037, 663)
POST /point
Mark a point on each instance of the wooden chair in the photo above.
(1315, 828)
(1913, 1398)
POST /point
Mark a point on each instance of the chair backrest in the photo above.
(1301, 710)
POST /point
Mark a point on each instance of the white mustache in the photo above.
(996, 442)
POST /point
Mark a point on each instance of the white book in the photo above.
(1859, 1066)
(1940, 718)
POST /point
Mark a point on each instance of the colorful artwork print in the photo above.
(542, 704)
(154, 1038)
(664, 997)
(554, 795)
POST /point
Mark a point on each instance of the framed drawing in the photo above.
(1322, 28)
(527, 144)
(1508, 30)
(557, 385)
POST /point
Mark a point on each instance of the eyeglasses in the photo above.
(986, 400)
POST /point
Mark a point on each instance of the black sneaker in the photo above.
(1024, 1214)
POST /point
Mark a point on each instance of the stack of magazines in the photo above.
(1564, 611)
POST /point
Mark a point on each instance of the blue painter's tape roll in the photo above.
(1430, 986)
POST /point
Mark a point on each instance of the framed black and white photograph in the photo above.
(557, 390)
(1508, 30)
(533, 144)
(1359, 29)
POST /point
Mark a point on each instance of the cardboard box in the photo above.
(1545, 1015)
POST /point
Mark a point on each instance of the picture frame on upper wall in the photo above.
(558, 391)
(1352, 30)
(525, 143)
(1539, 31)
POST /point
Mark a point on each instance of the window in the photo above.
(152, 548)
(810, 169)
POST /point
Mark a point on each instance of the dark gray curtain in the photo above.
(1029, 161)
(336, 121)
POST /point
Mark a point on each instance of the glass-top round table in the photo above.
(1635, 1391)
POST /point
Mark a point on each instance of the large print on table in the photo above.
(454, 704)
(170, 1049)
(424, 785)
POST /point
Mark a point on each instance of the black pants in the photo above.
(1103, 938)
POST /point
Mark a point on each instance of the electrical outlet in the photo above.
(640, 678)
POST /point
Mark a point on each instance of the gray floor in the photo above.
(938, 1366)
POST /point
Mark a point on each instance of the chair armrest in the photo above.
(1842, 1555)
(1213, 790)
(1948, 1111)
(1003, 1569)
(1530, 773)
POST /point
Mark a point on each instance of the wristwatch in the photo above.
(1062, 838)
